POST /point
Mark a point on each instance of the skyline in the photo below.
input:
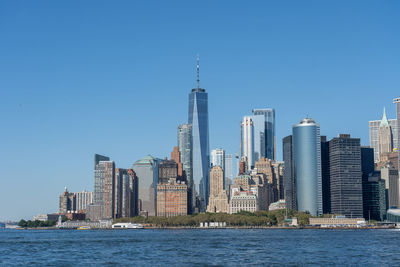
(80, 86)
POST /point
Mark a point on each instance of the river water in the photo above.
(209, 247)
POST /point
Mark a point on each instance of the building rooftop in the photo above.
(146, 160)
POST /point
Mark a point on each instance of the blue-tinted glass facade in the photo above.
(264, 132)
(198, 118)
(307, 166)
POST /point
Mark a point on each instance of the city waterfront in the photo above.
(223, 247)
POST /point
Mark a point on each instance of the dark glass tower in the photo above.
(346, 176)
(198, 118)
(288, 174)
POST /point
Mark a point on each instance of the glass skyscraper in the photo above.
(198, 118)
(264, 133)
(307, 166)
(185, 144)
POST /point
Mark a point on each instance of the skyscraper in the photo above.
(288, 174)
(198, 118)
(374, 129)
(326, 178)
(385, 135)
(218, 201)
(104, 173)
(185, 145)
(345, 172)
(218, 158)
(397, 102)
(247, 141)
(126, 193)
(146, 170)
(307, 166)
(228, 170)
(264, 133)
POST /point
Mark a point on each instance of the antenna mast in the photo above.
(198, 71)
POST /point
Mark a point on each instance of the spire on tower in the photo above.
(384, 120)
(198, 71)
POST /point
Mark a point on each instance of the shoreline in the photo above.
(220, 228)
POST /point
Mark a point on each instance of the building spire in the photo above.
(198, 71)
(384, 120)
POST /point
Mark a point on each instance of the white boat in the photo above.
(127, 226)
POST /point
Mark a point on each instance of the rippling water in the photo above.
(200, 247)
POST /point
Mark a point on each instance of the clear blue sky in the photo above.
(113, 77)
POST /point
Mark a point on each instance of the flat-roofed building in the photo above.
(172, 198)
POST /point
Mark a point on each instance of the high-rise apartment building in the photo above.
(264, 133)
(307, 166)
(374, 134)
(247, 141)
(288, 174)
(198, 118)
(345, 176)
(83, 199)
(146, 170)
(103, 206)
(218, 158)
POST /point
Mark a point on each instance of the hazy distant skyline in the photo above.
(79, 78)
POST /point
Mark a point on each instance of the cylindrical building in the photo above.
(307, 166)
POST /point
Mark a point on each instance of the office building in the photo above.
(218, 201)
(278, 169)
(185, 142)
(243, 201)
(326, 179)
(272, 173)
(389, 125)
(255, 184)
(288, 174)
(374, 197)
(172, 198)
(385, 136)
(345, 176)
(125, 193)
(392, 185)
(228, 170)
(264, 133)
(146, 170)
(396, 132)
(247, 141)
(307, 166)
(198, 118)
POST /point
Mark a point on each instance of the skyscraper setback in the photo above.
(198, 118)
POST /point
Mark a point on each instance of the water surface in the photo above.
(222, 247)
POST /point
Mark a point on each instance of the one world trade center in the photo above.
(198, 117)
